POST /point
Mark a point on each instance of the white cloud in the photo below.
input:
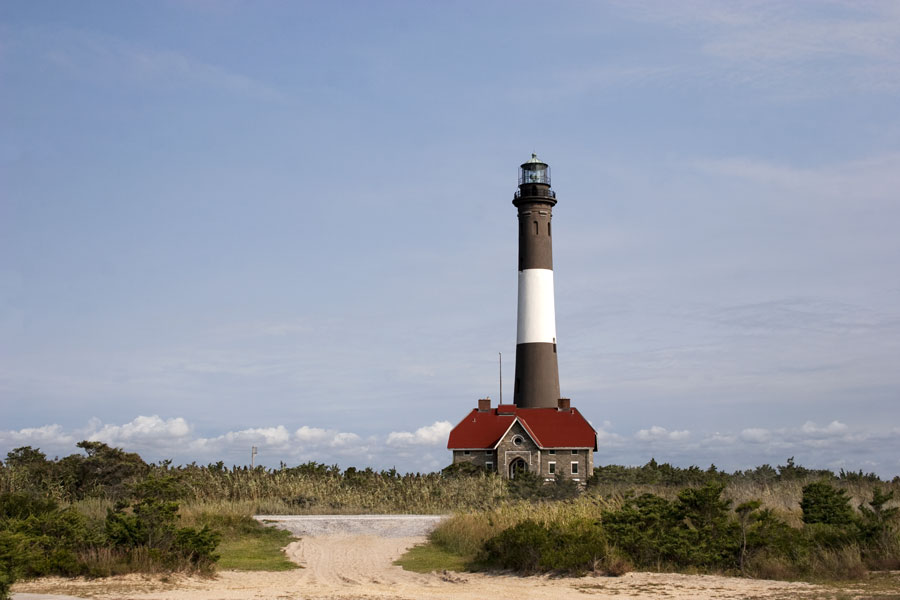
(657, 433)
(151, 428)
(756, 435)
(606, 438)
(36, 436)
(344, 440)
(833, 428)
(430, 435)
(311, 435)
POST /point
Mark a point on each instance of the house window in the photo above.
(551, 468)
(488, 452)
(489, 466)
(574, 468)
(574, 451)
(551, 451)
(466, 452)
(518, 440)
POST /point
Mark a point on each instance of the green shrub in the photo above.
(574, 547)
(198, 547)
(518, 548)
(38, 538)
(148, 527)
(641, 529)
(823, 503)
(707, 535)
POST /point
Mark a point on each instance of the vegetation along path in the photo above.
(352, 557)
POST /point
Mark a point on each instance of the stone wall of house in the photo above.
(563, 460)
(477, 457)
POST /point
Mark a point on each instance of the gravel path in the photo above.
(384, 526)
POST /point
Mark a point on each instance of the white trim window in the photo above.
(489, 466)
(574, 467)
(551, 468)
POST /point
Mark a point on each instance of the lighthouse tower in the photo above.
(537, 372)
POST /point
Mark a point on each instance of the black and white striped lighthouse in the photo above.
(537, 372)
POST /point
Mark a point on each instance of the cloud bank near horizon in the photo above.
(834, 445)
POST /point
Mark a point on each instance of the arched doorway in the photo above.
(517, 466)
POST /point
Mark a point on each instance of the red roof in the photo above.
(549, 427)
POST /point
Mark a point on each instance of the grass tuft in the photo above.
(429, 557)
(247, 544)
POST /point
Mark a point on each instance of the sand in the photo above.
(353, 560)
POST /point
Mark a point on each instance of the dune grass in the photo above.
(247, 544)
(429, 557)
(262, 552)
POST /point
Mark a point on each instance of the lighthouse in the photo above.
(537, 371)
(540, 432)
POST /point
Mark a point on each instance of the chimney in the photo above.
(484, 404)
(563, 404)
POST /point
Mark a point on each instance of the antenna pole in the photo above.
(501, 376)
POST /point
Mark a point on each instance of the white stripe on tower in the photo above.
(536, 312)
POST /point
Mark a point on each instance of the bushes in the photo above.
(823, 503)
(148, 529)
(697, 531)
(529, 547)
(39, 538)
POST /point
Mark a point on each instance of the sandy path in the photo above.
(353, 565)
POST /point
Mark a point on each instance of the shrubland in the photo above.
(105, 511)
(807, 525)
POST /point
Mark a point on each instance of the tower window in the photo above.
(535, 228)
(548, 229)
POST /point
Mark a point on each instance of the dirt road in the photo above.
(351, 558)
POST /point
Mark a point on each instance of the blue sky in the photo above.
(288, 225)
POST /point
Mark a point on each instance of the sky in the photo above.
(289, 225)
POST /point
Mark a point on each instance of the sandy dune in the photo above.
(354, 565)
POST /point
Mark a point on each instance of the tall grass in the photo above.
(784, 549)
(291, 492)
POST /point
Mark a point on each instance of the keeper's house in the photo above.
(511, 440)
